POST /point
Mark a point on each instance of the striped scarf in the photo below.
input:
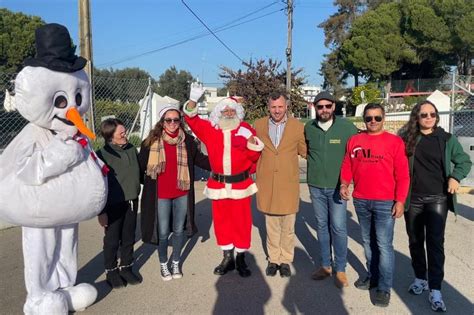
(157, 159)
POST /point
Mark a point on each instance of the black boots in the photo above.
(227, 264)
(113, 279)
(242, 267)
(118, 279)
(130, 278)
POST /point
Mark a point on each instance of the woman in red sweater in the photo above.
(167, 158)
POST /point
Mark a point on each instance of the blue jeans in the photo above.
(330, 211)
(178, 207)
(377, 214)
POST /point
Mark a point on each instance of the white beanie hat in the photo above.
(231, 102)
(163, 108)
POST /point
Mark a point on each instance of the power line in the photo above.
(187, 31)
(220, 29)
(202, 22)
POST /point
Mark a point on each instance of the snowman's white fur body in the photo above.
(48, 184)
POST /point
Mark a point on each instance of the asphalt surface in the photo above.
(201, 292)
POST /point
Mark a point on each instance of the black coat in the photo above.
(149, 200)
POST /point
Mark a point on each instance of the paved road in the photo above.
(201, 292)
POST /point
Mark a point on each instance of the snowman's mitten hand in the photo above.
(197, 90)
(35, 165)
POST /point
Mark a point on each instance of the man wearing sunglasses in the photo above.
(326, 137)
(375, 161)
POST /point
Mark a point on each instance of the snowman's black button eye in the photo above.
(60, 102)
(78, 99)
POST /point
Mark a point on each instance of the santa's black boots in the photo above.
(227, 264)
(113, 279)
(242, 267)
(130, 278)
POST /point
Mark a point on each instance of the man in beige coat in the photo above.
(278, 181)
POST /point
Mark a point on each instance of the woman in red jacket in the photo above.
(167, 157)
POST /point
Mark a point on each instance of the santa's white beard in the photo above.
(228, 123)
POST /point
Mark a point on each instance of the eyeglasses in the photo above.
(368, 119)
(425, 115)
(327, 106)
(174, 120)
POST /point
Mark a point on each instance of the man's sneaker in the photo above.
(418, 286)
(175, 272)
(365, 283)
(436, 301)
(321, 273)
(382, 298)
(165, 273)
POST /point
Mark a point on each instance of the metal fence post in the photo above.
(451, 114)
(148, 92)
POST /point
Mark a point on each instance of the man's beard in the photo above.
(228, 123)
(326, 118)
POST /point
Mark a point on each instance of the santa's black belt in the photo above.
(230, 178)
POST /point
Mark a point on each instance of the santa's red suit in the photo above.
(229, 155)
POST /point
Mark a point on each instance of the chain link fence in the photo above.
(119, 98)
(113, 97)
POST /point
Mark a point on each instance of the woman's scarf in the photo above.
(157, 158)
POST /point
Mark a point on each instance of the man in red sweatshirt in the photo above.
(375, 161)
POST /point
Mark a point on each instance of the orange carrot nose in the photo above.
(73, 116)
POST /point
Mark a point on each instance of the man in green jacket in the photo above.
(326, 138)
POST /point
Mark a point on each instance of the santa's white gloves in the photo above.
(244, 132)
(197, 90)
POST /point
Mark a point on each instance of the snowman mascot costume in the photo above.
(50, 179)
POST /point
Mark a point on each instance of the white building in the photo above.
(309, 93)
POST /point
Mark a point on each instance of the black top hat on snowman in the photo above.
(55, 50)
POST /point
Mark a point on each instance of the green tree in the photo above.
(376, 47)
(336, 30)
(17, 39)
(222, 91)
(126, 112)
(257, 81)
(371, 94)
(334, 75)
(175, 84)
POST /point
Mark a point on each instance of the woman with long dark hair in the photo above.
(434, 182)
(167, 158)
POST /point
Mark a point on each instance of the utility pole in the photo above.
(288, 47)
(85, 47)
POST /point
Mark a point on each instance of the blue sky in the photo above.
(123, 30)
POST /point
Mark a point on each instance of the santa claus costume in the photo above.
(50, 179)
(230, 186)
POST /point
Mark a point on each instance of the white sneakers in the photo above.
(165, 273)
(175, 273)
(435, 297)
(436, 300)
(418, 286)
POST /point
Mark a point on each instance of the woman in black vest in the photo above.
(119, 217)
(167, 158)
